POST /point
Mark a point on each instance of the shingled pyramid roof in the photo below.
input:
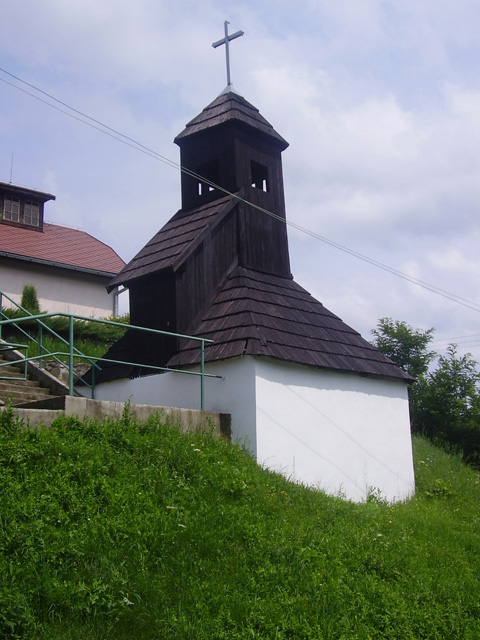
(264, 315)
(228, 107)
(254, 313)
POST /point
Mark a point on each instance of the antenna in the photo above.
(11, 169)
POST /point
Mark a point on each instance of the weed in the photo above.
(121, 530)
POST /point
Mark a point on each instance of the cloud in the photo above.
(378, 99)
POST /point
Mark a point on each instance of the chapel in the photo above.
(308, 395)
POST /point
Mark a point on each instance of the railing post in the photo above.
(1, 312)
(93, 382)
(40, 346)
(70, 356)
(202, 377)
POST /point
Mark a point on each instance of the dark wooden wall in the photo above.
(153, 304)
(205, 271)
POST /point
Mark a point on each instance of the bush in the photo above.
(30, 300)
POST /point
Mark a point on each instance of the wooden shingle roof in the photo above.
(265, 315)
(228, 107)
(169, 247)
(221, 270)
(61, 247)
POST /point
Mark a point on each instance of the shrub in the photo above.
(30, 299)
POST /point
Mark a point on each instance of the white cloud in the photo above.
(378, 99)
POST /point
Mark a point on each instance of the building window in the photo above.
(259, 176)
(11, 209)
(210, 172)
(31, 213)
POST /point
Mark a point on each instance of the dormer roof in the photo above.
(25, 239)
(33, 194)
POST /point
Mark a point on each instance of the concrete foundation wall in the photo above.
(187, 420)
(233, 393)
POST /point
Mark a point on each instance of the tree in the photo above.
(30, 299)
(444, 401)
(405, 346)
(447, 404)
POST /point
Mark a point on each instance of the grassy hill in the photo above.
(130, 531)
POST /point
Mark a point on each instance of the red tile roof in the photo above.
(61, 247)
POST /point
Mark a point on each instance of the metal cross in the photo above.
(225, 41)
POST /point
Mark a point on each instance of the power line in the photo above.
(461, 341)
(84, 118)
(469, 337)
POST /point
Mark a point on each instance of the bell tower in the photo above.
(229, 148)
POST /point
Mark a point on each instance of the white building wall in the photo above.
(66, 291)
(233, 393)
(346, 434)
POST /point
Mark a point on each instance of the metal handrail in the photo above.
(12, 346)
(41, 326)
(75, 353)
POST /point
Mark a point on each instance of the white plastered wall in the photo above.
(346, 434)
(233, 392)
(61, 290)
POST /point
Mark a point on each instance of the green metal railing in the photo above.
(73, 353)
(13, 346)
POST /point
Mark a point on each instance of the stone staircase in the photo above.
(42, 398)
(39, 385)
(19, 391)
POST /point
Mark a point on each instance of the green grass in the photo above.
(136, 531)
(91, 338)
(86, 346)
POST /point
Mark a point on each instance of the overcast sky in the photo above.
(379, 100)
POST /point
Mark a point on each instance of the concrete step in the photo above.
(16, 389)
(40, 384)
(18, 379)
(11, 370)
(21, 397)
(6, 386)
